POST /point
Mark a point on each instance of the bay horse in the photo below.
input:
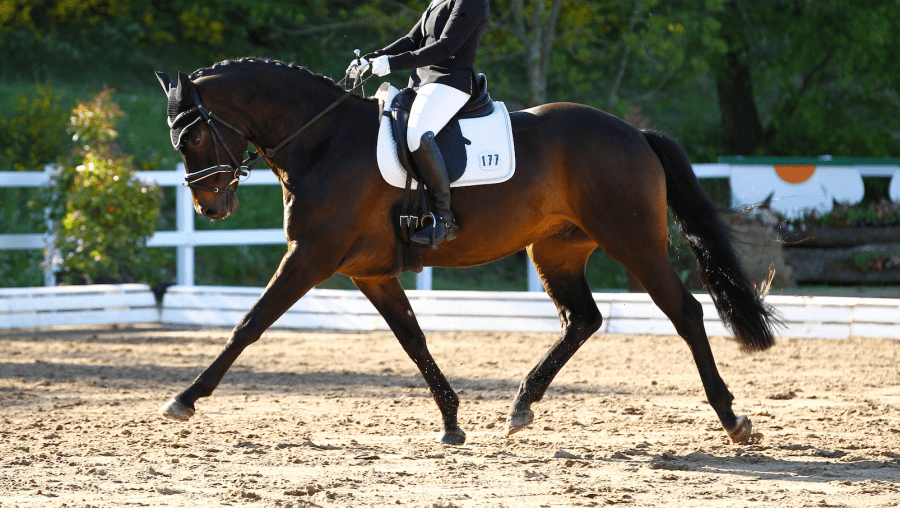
(585, 179)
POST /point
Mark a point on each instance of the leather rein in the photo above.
(240, 170)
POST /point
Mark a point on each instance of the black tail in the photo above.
(739, 305)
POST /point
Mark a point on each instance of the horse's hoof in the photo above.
(518, 420)
(742, 430)
(452, 437)
(176, 410)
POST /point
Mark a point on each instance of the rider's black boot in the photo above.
(433, 172)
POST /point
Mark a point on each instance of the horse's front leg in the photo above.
(296, 274)
(387, 295)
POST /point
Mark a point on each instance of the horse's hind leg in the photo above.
(654, 271)
(388, 297)
(560, 261)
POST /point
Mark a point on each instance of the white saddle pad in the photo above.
(491, 156)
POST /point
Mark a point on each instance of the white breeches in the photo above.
(433, 108)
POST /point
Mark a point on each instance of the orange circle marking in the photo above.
(794, 173)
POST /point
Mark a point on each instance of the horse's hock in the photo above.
(869, 256)
(760, 250)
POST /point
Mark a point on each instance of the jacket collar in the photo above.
(434, 4)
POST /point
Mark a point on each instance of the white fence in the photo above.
(77, 305)
(634, 313)
(324, 309)
(185, 238)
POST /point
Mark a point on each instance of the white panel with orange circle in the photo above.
(795, 188)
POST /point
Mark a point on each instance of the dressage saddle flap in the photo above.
(399, 115)
(450, 140)
(482, 146)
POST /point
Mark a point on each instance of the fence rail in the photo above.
(185, 238)
(333, 309)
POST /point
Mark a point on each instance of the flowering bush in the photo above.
(876, 261)
(102, 214)
(881, 214)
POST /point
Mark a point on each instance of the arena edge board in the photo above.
(333, 309)
(101, 304)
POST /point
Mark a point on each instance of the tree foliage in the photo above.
(786, 76)
(810, 77)
(34, 132)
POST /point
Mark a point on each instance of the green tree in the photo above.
(804, 77)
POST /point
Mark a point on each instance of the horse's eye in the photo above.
(196, 140)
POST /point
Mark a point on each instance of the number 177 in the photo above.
(490, 159)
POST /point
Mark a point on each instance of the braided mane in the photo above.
(250, 62)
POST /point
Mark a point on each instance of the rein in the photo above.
(241, 171)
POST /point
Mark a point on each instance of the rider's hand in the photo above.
(381, 66)
(356, 66)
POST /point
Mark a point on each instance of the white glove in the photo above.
(354, 69)
(381, 66)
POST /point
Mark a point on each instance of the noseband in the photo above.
(240, 171)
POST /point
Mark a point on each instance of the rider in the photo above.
(441, 48)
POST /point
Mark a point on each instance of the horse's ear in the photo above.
(165, 81)
(185, 85)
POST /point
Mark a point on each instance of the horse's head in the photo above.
(208, 145)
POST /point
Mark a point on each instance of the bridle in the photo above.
(240, 171)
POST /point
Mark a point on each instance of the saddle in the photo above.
(484, 121)
(450, 139)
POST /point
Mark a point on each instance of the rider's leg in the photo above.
(433, 108)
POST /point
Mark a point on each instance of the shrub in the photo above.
(102, 214)
(881, 214)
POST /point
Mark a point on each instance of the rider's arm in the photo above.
(464, 19)
(408, 42)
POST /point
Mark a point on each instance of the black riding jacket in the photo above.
(443, 44)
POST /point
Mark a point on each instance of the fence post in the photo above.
(424, 280)
(52, 259)
(534, 280)
(184, 221)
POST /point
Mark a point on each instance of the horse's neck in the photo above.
(292, 109)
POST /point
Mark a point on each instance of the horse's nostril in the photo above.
(209, 212)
